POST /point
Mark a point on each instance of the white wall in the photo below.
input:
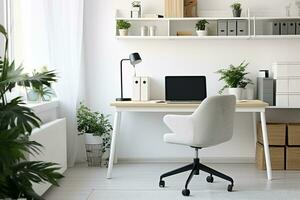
(141, 134)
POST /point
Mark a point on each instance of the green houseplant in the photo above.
(201, 27)
(123, 27)
(96, 129)
(236, 9)
(235, 79)
(16, 124)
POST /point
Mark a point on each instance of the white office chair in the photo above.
(211, 124)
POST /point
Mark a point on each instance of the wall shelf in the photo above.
(259, 28)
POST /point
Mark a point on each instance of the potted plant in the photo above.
(17, 121)
(236, 9)
(235, 79)
(201, 27)
(96, 129)
(123, 27)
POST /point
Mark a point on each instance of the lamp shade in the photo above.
(135, 58)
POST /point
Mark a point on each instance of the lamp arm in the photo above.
(121, 75)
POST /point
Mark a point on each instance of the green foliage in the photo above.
(122, 24)
(136, 4)
(201, 25)
(234, 77)
(16, 124)
(236, 6)
(89, 122)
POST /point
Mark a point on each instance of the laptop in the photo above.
(185, 89)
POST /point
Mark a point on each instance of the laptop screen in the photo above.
(185, 88)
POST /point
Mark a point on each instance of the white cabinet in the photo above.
(287, 75)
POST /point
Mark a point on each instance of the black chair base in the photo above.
(195, 167)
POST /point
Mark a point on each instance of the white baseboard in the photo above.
(217, 160)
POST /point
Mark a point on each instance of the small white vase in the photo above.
(202, 32)
(237, 92)
(90, 139)
(123, 32)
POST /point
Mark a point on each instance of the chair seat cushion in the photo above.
(178, 139)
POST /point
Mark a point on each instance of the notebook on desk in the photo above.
(185, 89)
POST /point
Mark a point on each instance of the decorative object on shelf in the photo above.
(152, 30)
(144, 31)
(201, 27)
(235, 79)
(16, 124)
(174, 8)
(134, 59)
(96, 129)
(236, 9)
(123, 27)
(190, 8)
(184, 33)
(263, 73)
(136, 11)
(294, 8)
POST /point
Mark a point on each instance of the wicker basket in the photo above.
(94, 155)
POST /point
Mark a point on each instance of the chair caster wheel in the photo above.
(210, 179)
(161, 183)
(186, 192)
(229, 188)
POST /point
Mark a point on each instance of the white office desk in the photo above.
(251, 106)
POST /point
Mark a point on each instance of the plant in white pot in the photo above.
(123, 27)
(201, 27)
(96, 129)
(236, 9)
(235, 79)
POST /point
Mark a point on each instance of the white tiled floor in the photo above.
(140, 182)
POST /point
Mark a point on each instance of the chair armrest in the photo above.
(179, 124)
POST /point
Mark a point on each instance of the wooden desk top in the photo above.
(155, 103)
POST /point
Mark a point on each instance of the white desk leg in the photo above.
(266, 144)
(118, 122)
(113, 144)
(254, 130)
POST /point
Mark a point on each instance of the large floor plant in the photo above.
(16, 124)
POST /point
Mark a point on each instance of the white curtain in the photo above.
(65, 36)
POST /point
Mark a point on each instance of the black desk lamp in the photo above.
(134, 59)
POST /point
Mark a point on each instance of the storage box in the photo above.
(276, 28)
(276, 154)
(276, 133)
(293, 158)
(242, 27)
(265, 90)
(231, 24)
(222, 27)
(293, 134)
(291, 28)
(298, 28)
(283, 28)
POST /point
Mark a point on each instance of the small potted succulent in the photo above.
(123, 27)
(201, 27)
(235, 79)
(236, 9)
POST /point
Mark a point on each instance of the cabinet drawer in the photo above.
(294, 101)
(282, 86)
(294, 85)
(282, 100)
(294, 70)
(280, 71)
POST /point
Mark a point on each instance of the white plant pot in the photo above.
(123, 32)
(202, 32)
(90, 139)
(237, 92)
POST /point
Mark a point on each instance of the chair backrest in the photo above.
(213, 120)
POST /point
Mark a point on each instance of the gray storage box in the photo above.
(283, 28)
(291, 28)
(242, 27)
(265, 90)
(276, 28)
(222, 27)
(298, 28)
(231, 27)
